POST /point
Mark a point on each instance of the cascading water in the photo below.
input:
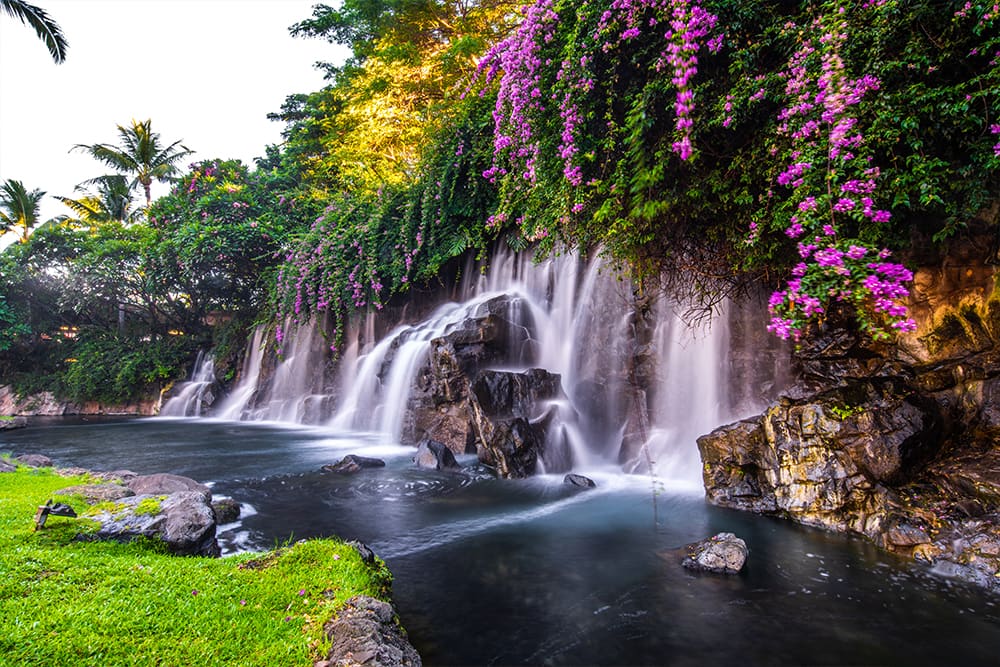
(578, 320)
(190, 396)
(235, 405)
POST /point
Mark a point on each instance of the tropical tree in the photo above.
(110, 202)
(46, 29)
(19, 208)
(141, 155)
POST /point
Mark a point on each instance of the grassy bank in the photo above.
(94, 603)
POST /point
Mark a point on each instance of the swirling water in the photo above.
(529, 572)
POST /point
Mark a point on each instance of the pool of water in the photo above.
(494, 572)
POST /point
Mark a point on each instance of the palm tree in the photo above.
(111, 202)
(18, 207)
(140, 155)
(46, 29)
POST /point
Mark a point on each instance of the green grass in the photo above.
(97, 603)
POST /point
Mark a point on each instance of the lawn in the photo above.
(65, 601)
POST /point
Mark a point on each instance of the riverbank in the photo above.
(64, 600)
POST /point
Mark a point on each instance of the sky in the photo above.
(206, 72)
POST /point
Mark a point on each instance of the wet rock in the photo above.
(183, 521)
(500, 333)
(723, 553)
(353, 463)
(365, 633)
(7, 467)
(435, 455)
(226, 510)
(826, 461)
(503, 405)
(96, 493)
(578, 481)
(34, 460)
(166, 483)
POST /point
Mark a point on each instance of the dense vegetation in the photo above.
(712, 143)
(66, 601)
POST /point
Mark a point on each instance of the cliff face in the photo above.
(47, 405)
(898, 443)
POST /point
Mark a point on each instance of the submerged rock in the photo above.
(435, 455)
(578, 481)
(365, 633)
(184, 521)
(353, 463)
(723, 553)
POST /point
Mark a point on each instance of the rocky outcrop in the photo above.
(365, 632)
(722, 554)
(48, 405)
(226, 510)
(184, 521)
(7, 467)
(97, 493)
(897, 443)
(501, 334)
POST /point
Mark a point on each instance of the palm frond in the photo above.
(46, 29)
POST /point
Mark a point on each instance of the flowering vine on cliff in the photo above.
(832, 186)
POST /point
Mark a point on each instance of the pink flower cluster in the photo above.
(831, 187)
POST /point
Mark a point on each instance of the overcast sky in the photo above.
(205, 71)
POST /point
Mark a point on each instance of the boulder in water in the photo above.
(435, 455)
(723, 553)
(578, 481)
(165, 483)
(353, 463)
(12, 423)
(226, 510)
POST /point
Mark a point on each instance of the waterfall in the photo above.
(234, 407)
(638, 384)
(190, 396)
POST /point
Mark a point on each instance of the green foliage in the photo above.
(63, 600)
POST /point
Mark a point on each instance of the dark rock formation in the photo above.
(499, 334)
(365, 633)
(34, 460)
(165, 483)
(435, 455)
(503, 406)
(226, 510)
(183, 521)
(353, 463)
(578, 481)
(723, 553)
(367, 555)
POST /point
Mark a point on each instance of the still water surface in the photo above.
(492, 572)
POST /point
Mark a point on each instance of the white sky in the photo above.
(205, 71)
